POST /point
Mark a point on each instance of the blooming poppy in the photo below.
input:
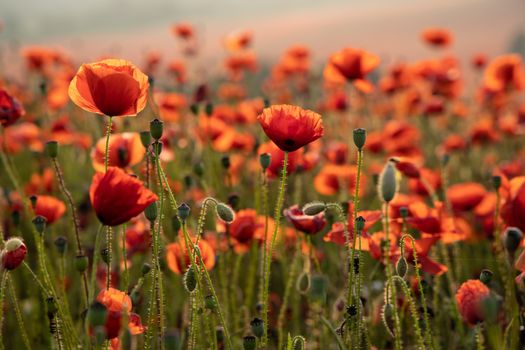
(49, 207)
(23, 136)
(470, 298)
(465, 196)
(352, 65)
(13, 254)
(514, 206)
(118, 303)
(10, 109)
(41, 183)
(334, 178)
(295, 159)
(291, 127)
(138, 238)
(111, 87)
(183, 30)
(125, 150)
(336, 234)
(238, 40)
(117, 197)
(178, 258)
(504, 73)
(438, 37)
(305, 223)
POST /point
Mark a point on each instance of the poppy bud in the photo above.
(360, 223)
(351, 310)
(61, 244)
(314, 208)
(198, 169)
(156, 128)
(187, 181)
(14, 253)
(208, 109)
(51, 149)
(190, 280)
(145, 139)
(151, 212)
(266, 102)
(97, 314)
(249, 342)
(104, 254)
(157, 148)
(318, 290)
(225, 161)
(345, 206)
(402, 267)
(359, 137)
(257, 326)
(233, 200)
(512, 239)
(81, 263)
(496, 182)
(210, 303)
(265, 160)
(387, 315)
(387, 185)
(184, 211)
(33, 198)
(146, 268)
(51, 305)
(403, 211)
(298, 343)
(485, 276)
(40, 223)
(303, 283)
(194, 108)
(225, 213)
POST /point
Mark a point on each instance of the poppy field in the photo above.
(352, 204)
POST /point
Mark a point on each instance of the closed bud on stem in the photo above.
(151, 212)
(190, 280)
(303, 282)
(145, 139)
(359, 137)
(210, 303)
(387, 184)
(198, 169)
(146, 268)
(51, 149)
(225, 161)
(265, 160)
(403, 211)
(257, 326)
(184, 211)
(512, 239)
(156, 128)
(225, 213)
(104, 254)
(314, 208)
(61, 244)
(194, 108)
(81, 263)
(360, 223)
(298, 343)
(249, 342)
(208, 109)
(496, 182)
(402, 267)
(40, 224)
(485, 276)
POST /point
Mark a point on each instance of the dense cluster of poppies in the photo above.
(372, 206)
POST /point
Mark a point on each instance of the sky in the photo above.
(130, 28)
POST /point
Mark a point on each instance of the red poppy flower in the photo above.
(183, 30)
(10, 109)
(437, 37)
(465, 196)
(504, 73)
(125, 150)
(291, 127)
(117, 197)
(305, 223)
(178, 258)
(334, 178)
(353, 65)
(513, 209)
(470, 297)
(50, 208)
(118, 303)
(110, 87)
(138, 238)
(13, 254)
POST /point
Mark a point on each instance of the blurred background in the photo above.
(90, 29)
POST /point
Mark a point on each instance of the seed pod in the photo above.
(359, 137)
(61, 244)
(145, 139)
(298, 343)
(360, 223)
(184, 211)
(249, 342)
(303, 283)
(402, 267)
(40, 223)
(190, 280)
(387, 185)
(225, 213)
(257, 326)
(496, 182)
(156, 128)
(81, 263)
(265, 160)
(151, 212)
(486, 276)
(351, 310)
(512, 239)
(314, 208)
(51, 149)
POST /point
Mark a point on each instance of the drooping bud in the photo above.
(402, 267)
(151, 212)
(210, 303)
(387, 184)
(81, 263)
(486, 276)
(40, 223)
(184, 211)
(14, 253)
(314, 208)
(190, 280)
(146, 268)
(303, 282)
(104, 254)
(61, 244)
(194, 108)
(249, 342)
(51, 149)
(512, 239)
(359, 137)
(265, 160)
(257, 326)
(298, 343)
(145, 139)
(156, 128)
(387, 315)
(225, 213)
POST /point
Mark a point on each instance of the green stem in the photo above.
(159, 282)
(108, 134)
(334, 333)
(109, 239)
(18, 314)
(2, 296)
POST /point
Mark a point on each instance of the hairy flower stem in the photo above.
(108, 134)
(479, 337)
(156, 249)
(18, 314)
(264, 247)
(3, 284)
(269, 253)
(69, 198)
(109, 238)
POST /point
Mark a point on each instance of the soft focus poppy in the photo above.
(305, 223)
(333, 179)
(183, 30)
(247, 228)
(117, 197)
(465, 196)
(513, 209)
(10, 109)
(125, 150)
(138, 238)
(111, 87)
(336, 234)
(438, 37)
(505, 73)
(352, 65)
(50, 208)
(179, 260)
(470, 298)
(118, 303)
(291, 127)
(41, 183)
(238, 40)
